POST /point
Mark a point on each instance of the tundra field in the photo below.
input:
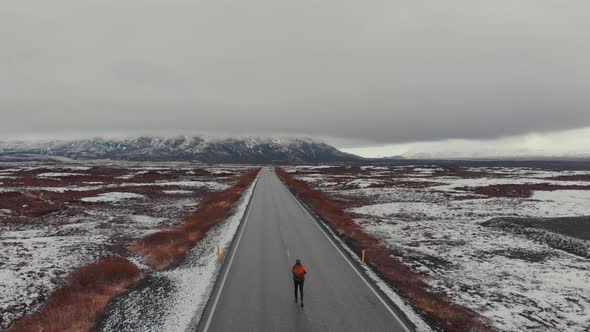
(507, 246)
(56, 218)
(487, 238)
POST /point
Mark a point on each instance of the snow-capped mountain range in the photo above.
(252, 150)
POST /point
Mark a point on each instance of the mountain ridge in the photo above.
(231, 150)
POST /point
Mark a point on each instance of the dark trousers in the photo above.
(300, 285)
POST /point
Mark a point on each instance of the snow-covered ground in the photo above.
(430, 217)
(50, 226)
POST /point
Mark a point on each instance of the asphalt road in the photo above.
(255, 291)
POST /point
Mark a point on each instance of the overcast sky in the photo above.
(361, 73)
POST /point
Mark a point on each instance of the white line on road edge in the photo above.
(231, 259)
(312, 220)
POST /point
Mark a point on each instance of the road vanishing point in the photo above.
(254, 291)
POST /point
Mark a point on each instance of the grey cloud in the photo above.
(381, 71)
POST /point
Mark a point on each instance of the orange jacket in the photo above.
(299, 272)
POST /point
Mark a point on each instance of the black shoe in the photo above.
(301, 304)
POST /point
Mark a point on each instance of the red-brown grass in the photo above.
(169, 247)
(75, 306)
(440, 310)
(30, 203)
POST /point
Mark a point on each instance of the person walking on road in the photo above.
(298, 279)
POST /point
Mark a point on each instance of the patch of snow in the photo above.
(452, 183)
(139, 262)
(215, 186)
(313, 167)
(70, 188)
(111, 197)
(58, 175)
(526, 172)
(146, 219)
(12, 170)
(177, 192)
(219, 171)
(131, 176)
(77, 168)
(563, 196)
(374, 168)
(319, 180)
(559, 203)
(211, 185)
(5, 211)
(9, 284)
(428, 170)
(419, 209)
(22, 234)
(363, 183)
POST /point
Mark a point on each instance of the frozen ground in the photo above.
(430, 218)
(54, 218)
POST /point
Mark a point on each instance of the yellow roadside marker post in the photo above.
(218, 253)
(363, 258)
